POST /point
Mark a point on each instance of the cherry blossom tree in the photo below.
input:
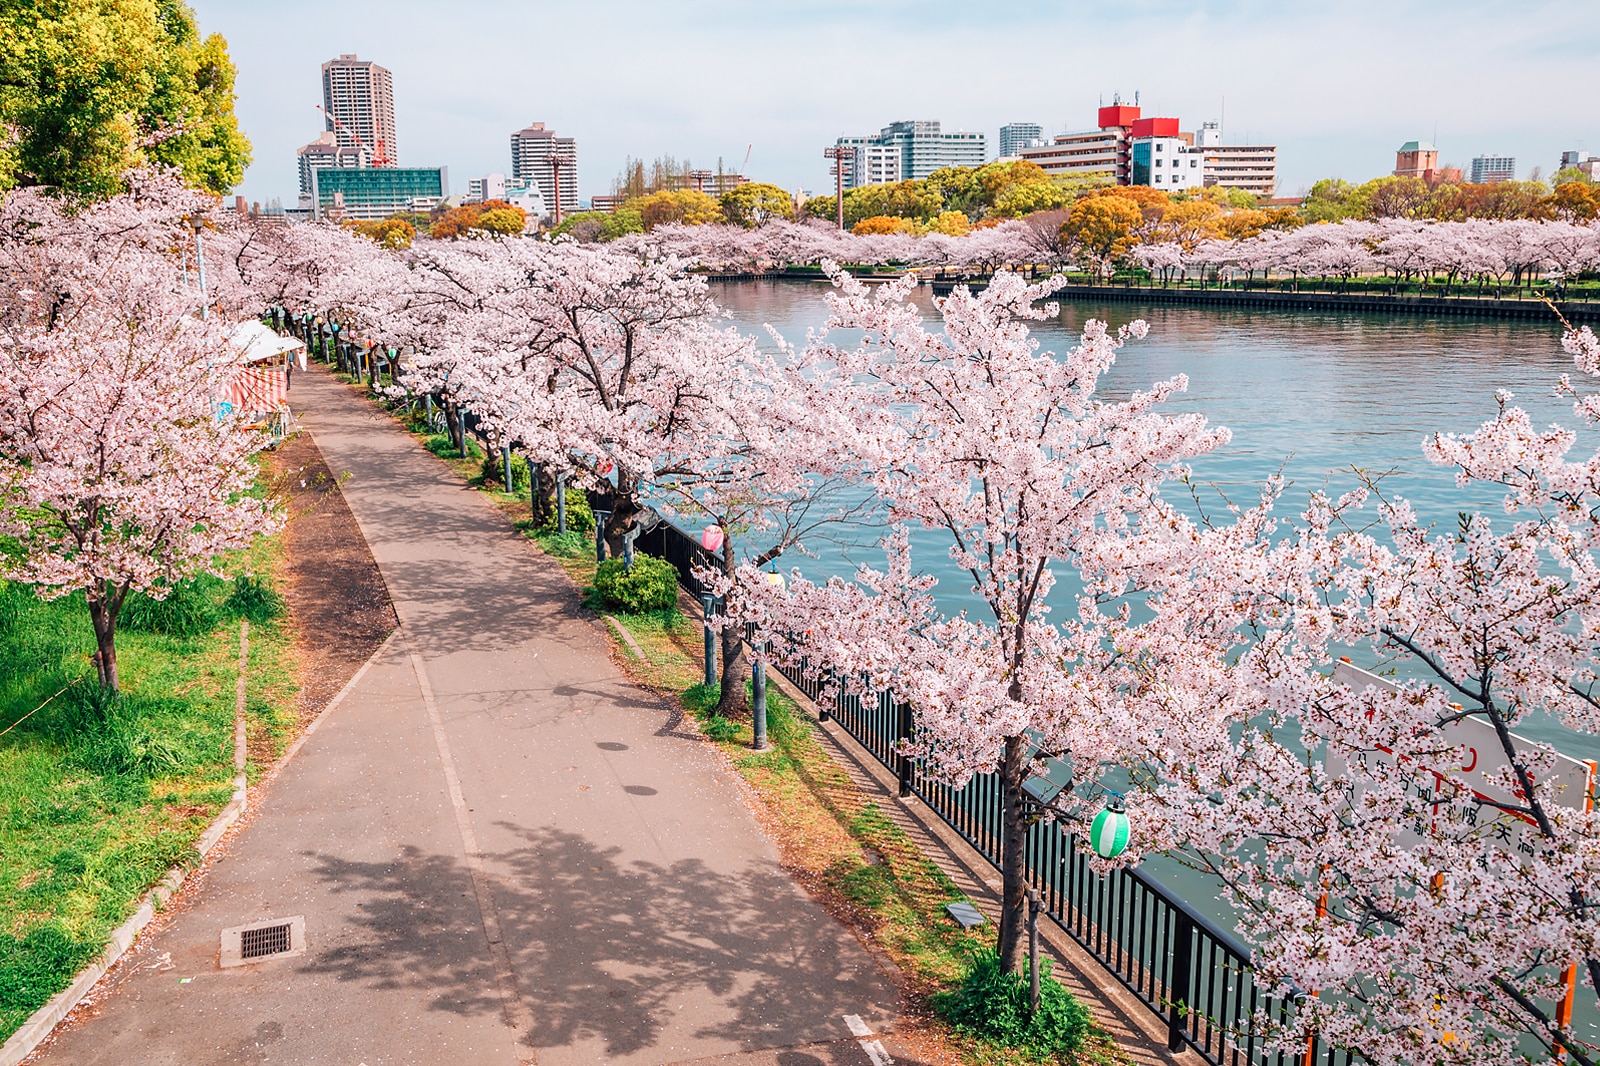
(1009, 454)
(1391, 842)
(116, 474)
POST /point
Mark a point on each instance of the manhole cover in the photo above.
(276, 938)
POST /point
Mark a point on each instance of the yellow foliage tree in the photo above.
(878, 225)
(688, 206)
(1103, 225)
(951, 224)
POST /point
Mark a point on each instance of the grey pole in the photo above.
(535, 471)
(561, 503)
(1033, 950)
(758, 687)
(505, 459)
(600, 518)
(708, 602)
(627, 553)
(461, 429)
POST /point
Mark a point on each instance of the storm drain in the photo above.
(278, 938)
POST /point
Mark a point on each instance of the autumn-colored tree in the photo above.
(1576, 201)
(753, 203)
(1102, 226)
(686, 206)
(503, 220)
(491, 216)
(1188, 222)
(389, 232)
(951, 224)
(880, 224)
(90, 88)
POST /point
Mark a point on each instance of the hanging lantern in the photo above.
(1108, 833)
(605, 467)
(774, 579)
(711, 538)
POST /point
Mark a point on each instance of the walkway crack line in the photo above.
(518, 1016)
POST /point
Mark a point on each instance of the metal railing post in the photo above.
(1178, 989)
(561, 493)
(709, 603)
(505, 459)
(600, 519)
(758, 710)
(905, 767)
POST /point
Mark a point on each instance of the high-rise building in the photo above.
(325, 153)
(1488, 169)
(1163, 158)
(358, 102)
(532, 150)
(922, 147)
(1016, 136)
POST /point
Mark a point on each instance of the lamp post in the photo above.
(198, 223)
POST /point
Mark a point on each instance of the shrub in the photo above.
(568, 545)
(254, 599)
(189, 609)
(580, 517)
(992, 1003)
(652, 584)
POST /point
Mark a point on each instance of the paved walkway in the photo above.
(503, 851)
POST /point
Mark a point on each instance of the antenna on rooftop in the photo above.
(1136, 98)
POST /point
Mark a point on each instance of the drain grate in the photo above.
(275, 938)
(268, 940)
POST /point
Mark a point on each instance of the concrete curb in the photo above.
(43, 1022)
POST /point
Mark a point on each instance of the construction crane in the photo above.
(380, 158)
(744, 168)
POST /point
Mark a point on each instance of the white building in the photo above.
(488, 187)
(1016, 136)
(325, 153)
(532, 151)
(1167, 163)
(922, 147)
(1487, 169)
(875, 164)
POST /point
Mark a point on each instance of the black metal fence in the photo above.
(1192, 974)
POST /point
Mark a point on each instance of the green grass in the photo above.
(98, 797)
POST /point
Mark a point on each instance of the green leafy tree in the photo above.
(1330, 200)
(89, 88)
(752, 203)
(591, 226)
(502, 220)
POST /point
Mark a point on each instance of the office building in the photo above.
(376, 192)
(544, 160)
(1582, 162)
(1488, 169)
(922, 147)
(1100, 152)
(1164, 158)
(358, 108)
(325, 153)
(1016, 136)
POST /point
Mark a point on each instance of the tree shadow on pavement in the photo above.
(617, 951)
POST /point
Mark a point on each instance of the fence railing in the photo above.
(1196, 977)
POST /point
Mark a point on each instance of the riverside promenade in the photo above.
(502, 851)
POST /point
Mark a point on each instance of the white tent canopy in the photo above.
(259, 343)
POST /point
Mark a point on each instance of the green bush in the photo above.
(652, 584)
(254, 599)
(441, 445)
(189, 609)
(992, 1004)
(579, 516)
(568, 545)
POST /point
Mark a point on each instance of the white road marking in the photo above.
(863, 1035)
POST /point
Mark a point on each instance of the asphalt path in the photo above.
(503, 851)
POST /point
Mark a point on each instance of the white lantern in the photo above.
(774, 579)
(711, 538)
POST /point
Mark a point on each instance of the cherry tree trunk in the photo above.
(1013, 856)
(103, 616)
(733, 702)
(625, 509)
(544, 495)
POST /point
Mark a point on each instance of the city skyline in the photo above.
(1339, 109)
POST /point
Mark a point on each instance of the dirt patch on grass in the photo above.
(337, 599)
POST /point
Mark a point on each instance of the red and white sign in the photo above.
(1481, 755)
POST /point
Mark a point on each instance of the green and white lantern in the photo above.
(1109, 832)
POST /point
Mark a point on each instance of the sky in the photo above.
(1337, 87)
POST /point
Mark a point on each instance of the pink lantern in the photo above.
(605, 467)
(711, 538)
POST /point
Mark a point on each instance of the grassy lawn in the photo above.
(98, 799)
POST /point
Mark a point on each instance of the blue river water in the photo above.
(1310, 393)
